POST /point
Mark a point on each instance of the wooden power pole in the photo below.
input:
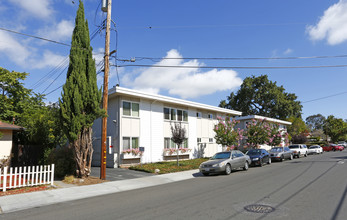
(105, 93)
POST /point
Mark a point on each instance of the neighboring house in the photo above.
(6, 140)
(139, 120)
(244, 120)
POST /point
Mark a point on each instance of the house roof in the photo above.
(249, 117)
(135, 93)
(6, 126)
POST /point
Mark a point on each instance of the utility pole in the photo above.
(105, 93)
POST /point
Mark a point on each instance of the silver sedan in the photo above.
(225, 162)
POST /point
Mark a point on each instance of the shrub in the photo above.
(63, 159)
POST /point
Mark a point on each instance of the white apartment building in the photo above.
(142, 121)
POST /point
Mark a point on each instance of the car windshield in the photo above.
(293, 146)
(223, 155)
(276, 149)
(254, 152)
(313, 147)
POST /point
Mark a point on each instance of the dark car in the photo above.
(281, 153)
(259, 157)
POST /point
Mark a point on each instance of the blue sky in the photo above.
(196, 28)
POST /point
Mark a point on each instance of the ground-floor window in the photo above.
(168, 143)
(130, 143)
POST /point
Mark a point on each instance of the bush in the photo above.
(63, 159)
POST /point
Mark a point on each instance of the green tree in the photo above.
(315, 122)
(80, 102)
(260, 96)
(13, 94)
(335, 128)
(298, 130)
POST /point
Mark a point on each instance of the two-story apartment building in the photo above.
(142, 121)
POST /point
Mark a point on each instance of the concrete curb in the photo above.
(23, 201)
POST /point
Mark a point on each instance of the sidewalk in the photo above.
(48, 197)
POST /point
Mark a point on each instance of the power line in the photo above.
(233, 58)
(325, 97)
(232, 67)
(54, 79)
(32, 36)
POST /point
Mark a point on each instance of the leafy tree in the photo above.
(178, 136)
(315, 122)
(335, 128)
(80, 102)
(12, 94)
(298, 130)
(226, 135)
(260, 132)
(260, 96)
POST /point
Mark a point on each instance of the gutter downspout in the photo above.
(151, 131)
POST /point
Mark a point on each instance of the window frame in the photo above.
(131, 109)
(131, 142)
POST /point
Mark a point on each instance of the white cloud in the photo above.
(13, 49)
(37, 8)
(288, 51)
(61, 31)
(184, 82)
(332, 26)
(48, 59)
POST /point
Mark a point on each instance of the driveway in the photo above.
(114, 174)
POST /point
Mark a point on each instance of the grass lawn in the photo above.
(170, 167)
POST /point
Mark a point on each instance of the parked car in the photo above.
(315, 149)
(281, 153)
(225, 162)
(328, 148)
(337, 147)
(298, 150)
(342, 143)
(259, 157)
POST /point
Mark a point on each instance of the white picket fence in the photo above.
(15, 177)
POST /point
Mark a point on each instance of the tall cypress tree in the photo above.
(80, 102)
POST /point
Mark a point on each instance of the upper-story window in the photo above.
(198, 115)
(131, 109)
(210, 116)
(175, 114)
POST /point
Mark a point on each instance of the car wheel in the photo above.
(269, 161)
(298, 155)
(205, 174)
(261, 163)
(282, 159)
(291, 157)
(246, 166)
(227, 169)
(306, 154)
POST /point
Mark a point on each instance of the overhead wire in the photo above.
(232, 67)
(325, 97)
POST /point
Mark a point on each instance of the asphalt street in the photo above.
(307, 188)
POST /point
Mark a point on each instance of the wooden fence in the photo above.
(16, 177)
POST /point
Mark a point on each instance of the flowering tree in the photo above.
(226, 135)
(263, 132)
(178, 136)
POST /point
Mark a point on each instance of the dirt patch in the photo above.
(25, 190)
(83, 181)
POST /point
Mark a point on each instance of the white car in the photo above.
(299, 150)
(342, 143)
(315, 149)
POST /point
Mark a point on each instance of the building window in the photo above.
(175, 114)
(185, 116)
(199, 140)
(130, 143)
(168, 143)
(210, 140)
(131, 109)
(198, 115)
(167, 113)
(210, 116)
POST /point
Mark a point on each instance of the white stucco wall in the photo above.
(5, 144)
